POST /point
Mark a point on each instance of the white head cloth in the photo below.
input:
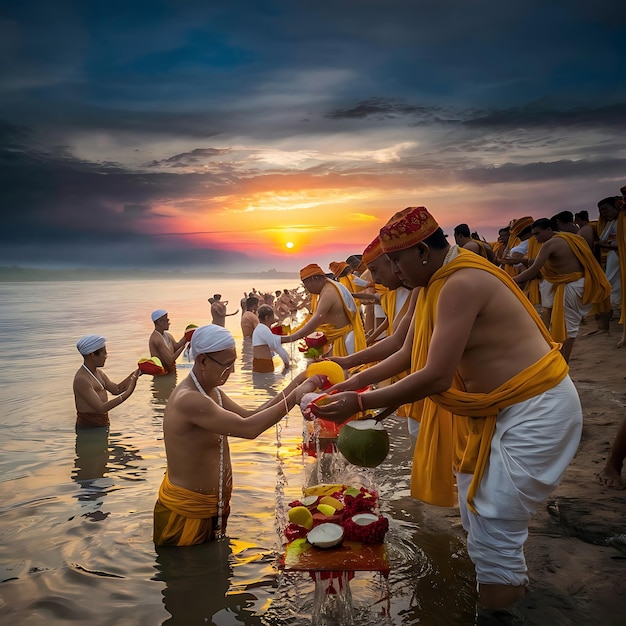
(158, 314)
(90, 343)
(210, 338)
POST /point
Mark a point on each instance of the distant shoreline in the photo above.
(26, 274)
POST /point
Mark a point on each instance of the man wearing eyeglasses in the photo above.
(194, 498)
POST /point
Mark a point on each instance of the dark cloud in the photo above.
(115, 109)
(193, 157)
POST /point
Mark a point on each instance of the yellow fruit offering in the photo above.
(323, 489)
(302, 516)
(326, 509)
(331, 502)
(330, 369)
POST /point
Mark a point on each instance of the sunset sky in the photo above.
(194, 134)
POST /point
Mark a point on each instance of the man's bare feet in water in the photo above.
(610, 477)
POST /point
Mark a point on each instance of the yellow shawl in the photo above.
(388, 301)
(596, 289)
(338, 335)
(460, 429)
(348, 282)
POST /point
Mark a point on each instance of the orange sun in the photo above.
(289, 245)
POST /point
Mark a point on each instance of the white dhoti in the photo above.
(533, 443)
(546, 291)
(573, 307)
(613, 275)
(349, 339)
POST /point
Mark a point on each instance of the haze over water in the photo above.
(76, 513)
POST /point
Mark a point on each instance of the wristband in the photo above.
(359, 401)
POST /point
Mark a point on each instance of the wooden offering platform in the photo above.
(349, 556)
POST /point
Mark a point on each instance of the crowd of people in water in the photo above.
(469, 341)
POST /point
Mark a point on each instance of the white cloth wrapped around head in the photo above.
(210, 338)
(90, 343)
(158, 314)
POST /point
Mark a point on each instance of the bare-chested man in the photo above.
(284, 306)
(91, 385)
(502, 399)
(218, 309)
(193, 502)
(249, 319)
(162, 344)
(464, 239)
(334, 313)
(566, 261)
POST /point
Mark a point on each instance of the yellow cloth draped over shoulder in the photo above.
(183, 517)
(597, 288)
(337, 336)
(388, 302)
(457, 426)
(348, 282)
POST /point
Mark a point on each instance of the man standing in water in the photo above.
(193, 502)
(495, 392)
(162, 344)
(91, 385)
(334, 312)
(265, 343)
(218, 310)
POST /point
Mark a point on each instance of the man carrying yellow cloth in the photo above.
(334, 313)
(481, 354)
(577, 280)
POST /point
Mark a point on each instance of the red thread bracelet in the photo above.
(359, 401)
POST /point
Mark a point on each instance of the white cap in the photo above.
(158, 314)
(90, 343)
(210, 338)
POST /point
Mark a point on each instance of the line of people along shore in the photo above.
(469, 341)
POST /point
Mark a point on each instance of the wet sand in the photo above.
(577, 569)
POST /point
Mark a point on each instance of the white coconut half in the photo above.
(309, 500)
(325, 535)
(364, 519)
(307, 401)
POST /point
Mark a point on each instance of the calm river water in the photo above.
(76, 512)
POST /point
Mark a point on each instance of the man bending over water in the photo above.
(498, 407)
(193, 502)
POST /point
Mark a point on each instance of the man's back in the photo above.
(561, 258)
(249, 322)
(218, 313)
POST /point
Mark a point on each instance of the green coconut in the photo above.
(363, 442)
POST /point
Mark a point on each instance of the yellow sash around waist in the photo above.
(186, 516)
(595, 291)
